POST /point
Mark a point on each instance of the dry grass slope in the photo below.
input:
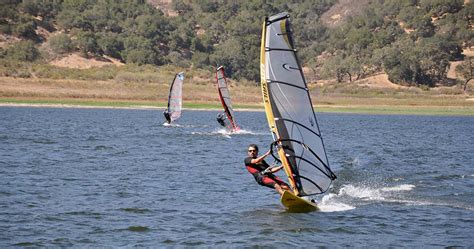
(338, 13)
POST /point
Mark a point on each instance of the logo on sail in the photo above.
(287, 67)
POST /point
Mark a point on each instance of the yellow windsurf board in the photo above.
(297, 204)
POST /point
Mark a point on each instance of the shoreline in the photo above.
(345, 98)
(134, 107)
(371, 110)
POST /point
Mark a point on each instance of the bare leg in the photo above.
(279, 189)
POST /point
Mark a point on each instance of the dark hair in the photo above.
(254, 146)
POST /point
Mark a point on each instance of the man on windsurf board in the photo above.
(262, 171)
(220, 119)
(167, 117)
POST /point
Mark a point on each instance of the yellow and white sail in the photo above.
(290, 111)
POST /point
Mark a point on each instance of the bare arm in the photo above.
(260, 158)
(276, 169)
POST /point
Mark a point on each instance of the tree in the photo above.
(45, 9)
(181, 7)
(396, 62)
(87, 43)
(440, 7)
(26, 28)
(140, 51)
(72, 14)
(208, 5)
(200, 60)
(177, 59)
(423, 27)
(111, 44)
(433, 60)
(466, 71)
(335, 67)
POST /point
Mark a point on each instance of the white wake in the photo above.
(349, 196)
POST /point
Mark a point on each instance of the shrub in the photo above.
(26, 30)
(23, 51)
(61, 43)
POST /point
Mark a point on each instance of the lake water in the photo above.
(119, 178)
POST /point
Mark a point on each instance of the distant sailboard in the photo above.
(227, 118)
(291, 117)
(175, 99)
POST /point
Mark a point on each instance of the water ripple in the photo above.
(69, 179)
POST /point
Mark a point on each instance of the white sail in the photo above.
(175, 98)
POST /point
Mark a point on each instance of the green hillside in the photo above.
(412, 41)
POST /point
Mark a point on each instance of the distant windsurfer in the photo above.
(220, 118)
(167, 116)
(262, 172)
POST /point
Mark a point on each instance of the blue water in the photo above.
(119, 178)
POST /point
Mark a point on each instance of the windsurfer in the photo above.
(220, 118)
(167, 116)
(262, 172)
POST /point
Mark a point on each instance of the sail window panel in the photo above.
(305, 136)
(299, 131)
(303, 161)
(312, 168)
(312, 172)
(309, 187)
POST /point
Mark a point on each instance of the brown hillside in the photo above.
(378, 81)
(339, 12)
(7, 40)
(164, 6)
(76, 61)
